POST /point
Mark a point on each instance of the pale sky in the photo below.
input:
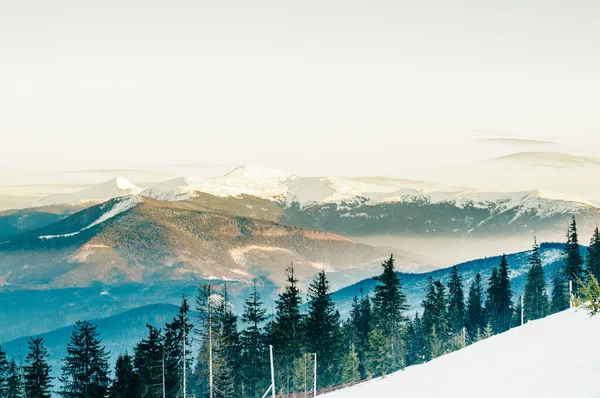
(397, 88)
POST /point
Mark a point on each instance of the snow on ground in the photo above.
(558, 356)
(120, 206)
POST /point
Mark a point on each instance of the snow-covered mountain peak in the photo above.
(110, 189)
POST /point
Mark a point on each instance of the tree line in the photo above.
(214, 353)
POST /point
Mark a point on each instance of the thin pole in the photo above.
(315, 388)
(570, 294)
(522, 310)
(272, 371)
(210, 353)
(184, 360)
(305, 376)
(163, 372)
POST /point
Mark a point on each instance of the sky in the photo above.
(425, 90)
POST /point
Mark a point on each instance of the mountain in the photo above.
(552, 357)
(15, 222)
(119, 333)
(108, 190)
(414, 285)
(448, 224)
(136, 239)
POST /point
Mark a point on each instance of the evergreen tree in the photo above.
(361, 319)
(85, 370)
(127, 383)
(389, 303)
(475, 311)
(255, 355)
(491, 303)
(535, 296)
(205, 328)
(415, 342)
(323, 332)
(176, 341)
(435, 316)
(560, 295)
(593, 255)
(3, 372)
(14, 381)
(590, 295)
(38, 382)
(456, 303)
(350, 373)
(488, 331)
(148, 363)
(573, 258)
(503, 301)
(227, 352)
(286, 331)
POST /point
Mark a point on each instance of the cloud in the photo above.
(515, 142)
(548, 159)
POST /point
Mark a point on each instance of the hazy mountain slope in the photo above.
(15, 222)
(119, 333)
(132, 240)
(113, 188)
(557, 356)
(415, 284)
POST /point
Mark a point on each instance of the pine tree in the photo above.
(127, 383)
(85, 370)
(148, 363)
(205, 329)
(350, 373)
(38, 382)
(323, 332)
(560, 295)
(488, 331)
(435, 318)
(504, 309)
(573, 259)
(491, 303)
(593, 255)
(255, 355)
(14, 381)
(516, 320)
(227, 352)
(176, 341)
(3, 372)
(475, 311)
(590, 295)
(415, 342)
(362, 321)
(456, 303)
(286, 331)
(389, 303)
(535, 296)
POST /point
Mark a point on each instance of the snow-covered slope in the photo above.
(108, 190)
(558, 356)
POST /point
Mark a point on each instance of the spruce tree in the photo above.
(350, 373)
(516, 320)
(206, 327)
(504, 309)
(323, 332)
(14, 381)
(535, 296)
(148, 363)
(255, 353)
(573, 258)
(286, 333)
(364, 326)
(127, 383)
(38, 382)
(593, 255)
(491, 302)
(435, 318)
(475, 311)
(415, 342)
(227, 352)
(389, 304)
(85, 370)
(560, 295)
(456, 303)
(176, 342)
